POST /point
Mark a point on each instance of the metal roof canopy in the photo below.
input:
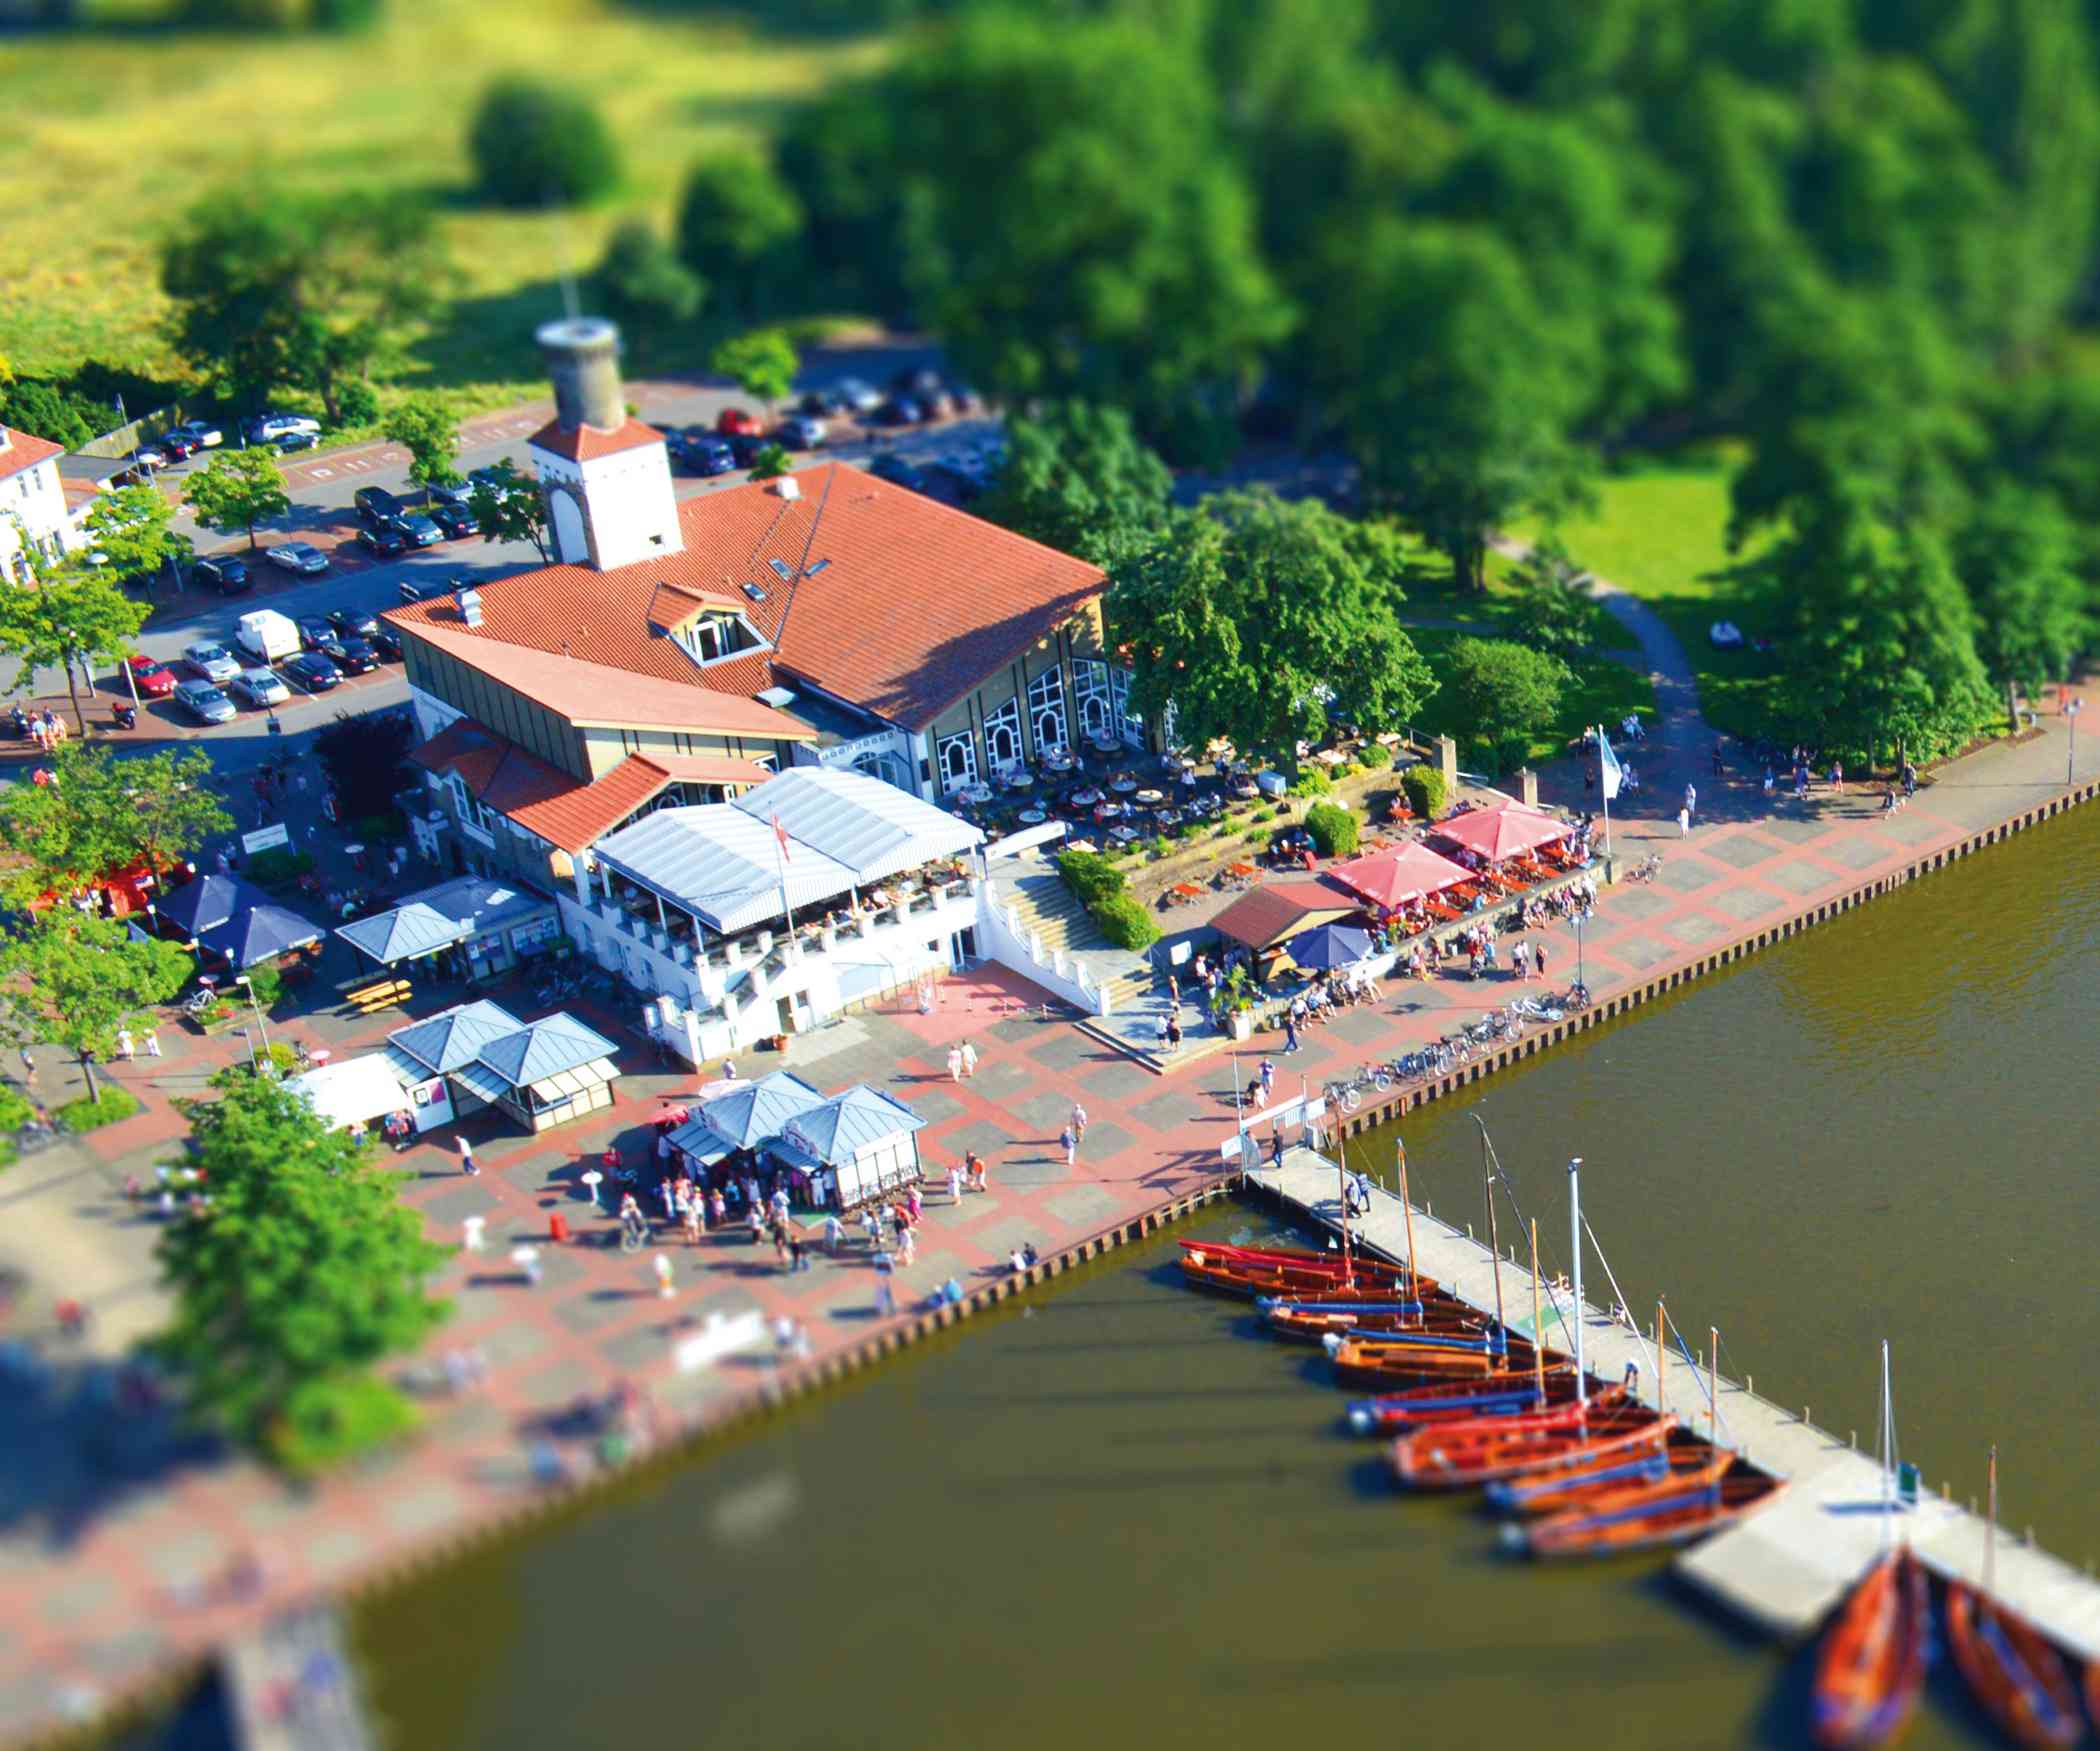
(544, 1049)
(445, 1042)
(441, 916)
(845, 830)
(843, 1126)
(747, 1116)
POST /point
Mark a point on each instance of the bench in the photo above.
(381, 994)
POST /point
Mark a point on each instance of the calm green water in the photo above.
(1121, 1517)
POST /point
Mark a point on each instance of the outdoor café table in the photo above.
(1081, 845)
(1058, 762)
(1032, 817)
(1109, 812)
(1122, 784)
(1087, 798)
(1151, 798)
(1240, 869)
(1170, 817)
(1122, 835)
(1021, 780)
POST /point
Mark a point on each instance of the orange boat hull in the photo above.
(1453, 1458)
(1871, 1665)
(1994, 1650)
(1655, 1516)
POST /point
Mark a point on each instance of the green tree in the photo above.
(1503, 694)
(1072, 225)
(103, 812)
(1254, 618)
(133, 529)
(1457, 392)
(429, 431)
(306, 1271)
(761, 363)
(737, 225)
(2017, 556)
(509, 508)
(236, 490)
(272, 289)
(643, 286)
(537, 145)
(49, 410)
(1077, 478)
(73, 616)
(76, 980)
(843, 255)
(1553, 599)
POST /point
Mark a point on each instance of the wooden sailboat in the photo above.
(1871, 1665)
(1653, 1516)
(1295, 1259)
(1252, 1280)
(2016, 1675)
(1459, 1456)
(1315, 1321)
(1575, 1484)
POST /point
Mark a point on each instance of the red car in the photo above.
(152, 680)
(736, 423)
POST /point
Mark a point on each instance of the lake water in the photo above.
(1118, 1514)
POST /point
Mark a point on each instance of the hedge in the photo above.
(1374, 756)
(1089, 875)
(1124, 922)
(112, 1104)
(1333, 829)
(1424, 789)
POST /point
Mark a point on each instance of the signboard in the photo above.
(266, 838)
(1300, 1110)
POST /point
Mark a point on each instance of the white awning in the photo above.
(353, 1092)
(566, 1085)
(481, 1080)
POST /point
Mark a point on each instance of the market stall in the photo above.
(859, 1145)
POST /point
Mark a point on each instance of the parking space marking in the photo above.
(320, 473)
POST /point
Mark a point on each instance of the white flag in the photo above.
(1608, 763)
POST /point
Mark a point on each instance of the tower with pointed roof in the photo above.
(605, 475)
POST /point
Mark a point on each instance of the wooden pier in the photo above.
(1788, 1565)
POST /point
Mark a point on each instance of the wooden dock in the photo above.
(1787, 1566)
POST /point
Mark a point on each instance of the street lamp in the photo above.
(242, 979)
(250, 1038)
(2072, 707)
(1579, 979)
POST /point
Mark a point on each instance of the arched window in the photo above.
(1097, 710)
(1046, 711)
(958, 755)
(1002, 736)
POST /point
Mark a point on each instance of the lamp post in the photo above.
(250, 1038)
(1579, 979)
(248, 984)
(2072, 707)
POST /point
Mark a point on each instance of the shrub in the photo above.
(278, 865)
(1333, 829)
(1347, 769)
(1160, 847)
(267, 982)
(1259, 815)
(771, 462)
(1090, 875)
(1313, 781)
(534, 143)
(112, 1104)
(356, 404)
(1124, 922)
(1374, 756)
(328, 1421)
(1423, 787)
(1508, 693)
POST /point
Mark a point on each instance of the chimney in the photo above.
(470, 607)
(583, 358)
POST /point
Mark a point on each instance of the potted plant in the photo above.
(1236, 1005)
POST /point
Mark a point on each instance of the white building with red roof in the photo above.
(35, 518)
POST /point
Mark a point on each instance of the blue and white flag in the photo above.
(1608, 764)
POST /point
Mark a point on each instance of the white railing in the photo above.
(1002, 937)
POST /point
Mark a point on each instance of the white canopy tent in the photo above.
(356, 1091)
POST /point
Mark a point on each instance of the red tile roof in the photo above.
(671, 607)
(707, 768)
(1269, 914)
(907, 604)
(24, 451)
(586, 443)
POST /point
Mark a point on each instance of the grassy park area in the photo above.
(117, 129)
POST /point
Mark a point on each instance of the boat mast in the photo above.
(1341, 1178)
(1538, 1336)
(1407, 1210)
(1582, 1393)
(1888, 1493)
(1713, 1385)
(1658, 1355)
(1495, 1246)
(1990, 1530)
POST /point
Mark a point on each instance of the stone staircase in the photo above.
(1048, 908)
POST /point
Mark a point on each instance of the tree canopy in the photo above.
(236, 490)
(761, 363)
(509, 508)
(103, 811)
(1077, 478)
(77, 979)
(538, 145)
(74, 614)
(429, 431)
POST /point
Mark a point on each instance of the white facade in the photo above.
(612, 510)
(32, 513)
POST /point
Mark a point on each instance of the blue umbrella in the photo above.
(259, 933)
(1327, 946)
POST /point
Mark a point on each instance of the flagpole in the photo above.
(1604, 789)
(780, 865)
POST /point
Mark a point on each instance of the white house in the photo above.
(34, 515)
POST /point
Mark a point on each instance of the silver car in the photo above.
(203, 433)
(212, 660)
(206, 702)
(299, 556)
(260, 687)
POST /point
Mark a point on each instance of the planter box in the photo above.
(1243, 1024)
(226, 1024)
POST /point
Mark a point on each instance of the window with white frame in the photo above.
(471, 814)
(1097, 706)
(1128, 724)
(958, 757)
(1046, 711)
(1002, 736)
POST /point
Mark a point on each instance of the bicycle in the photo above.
(1647, 869)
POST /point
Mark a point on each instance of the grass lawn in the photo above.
(115, 133)
(1660, 532)
(1432, 594)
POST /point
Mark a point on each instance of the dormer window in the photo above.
(707, 638)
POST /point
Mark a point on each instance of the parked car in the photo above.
(896, 471)
(149, 458)
(290, 441)
(354, 622)
(705, 453)
(920, 382)
(375, 506)
(383, 542)
(153, 680)
(313, 628)
(490, 477)
(311, 672)
(418, 530)
(212, 660)
(455, 520)
(737, 422)
(899, 410)
(454, 493)
(177, 446)
(859, 394)
(260, 687)
(300, 556)
(207, 435)
(799, 432)
(824, 403)
(205, 702)
(268, 427)
(745, 446)
(387, 642)
(224, 573)
(956, 485)
(354, 656)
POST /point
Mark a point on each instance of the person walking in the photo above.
(152, 1043)
(1538, 959)
(885, 1296)
(1079, 1121)
(1684, 822)
(1837, 776)
(1290, 1038)
(834, 1234)
(955, 1063)
(28, 1069)
(1268, 1080)
(907, 1246)
(466, 1158)
(1691, 801)
(969, 1059)
(954, 1184)
(1070, 1141)
(976, 1174)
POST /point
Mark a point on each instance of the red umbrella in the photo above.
(1393, 878)
(1509, 829)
